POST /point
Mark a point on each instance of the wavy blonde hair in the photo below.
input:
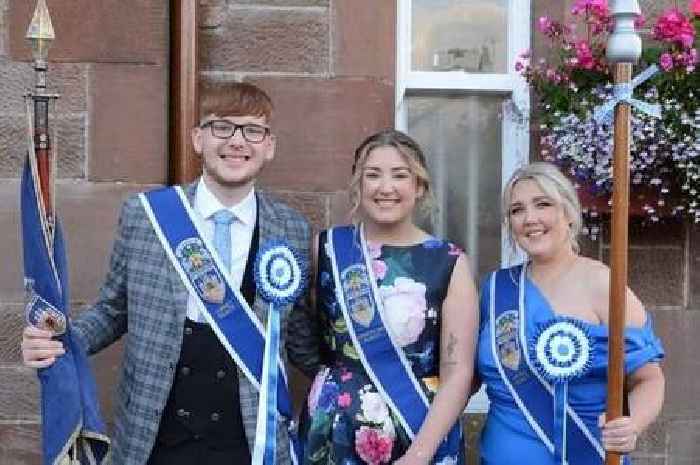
(556, 186)
(411, 153)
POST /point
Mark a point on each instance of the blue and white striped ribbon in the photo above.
(603, 114)
(265, 450)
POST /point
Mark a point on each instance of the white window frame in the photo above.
(515, 135)
(515, 128)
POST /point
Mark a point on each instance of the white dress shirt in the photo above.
(244, 212)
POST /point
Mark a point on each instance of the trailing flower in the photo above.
(575, 77)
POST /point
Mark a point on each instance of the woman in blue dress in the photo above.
(543, 340)
(400, 404)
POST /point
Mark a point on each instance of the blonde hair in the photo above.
(556, 186)
(411, 153)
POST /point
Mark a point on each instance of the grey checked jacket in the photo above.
(144, 300)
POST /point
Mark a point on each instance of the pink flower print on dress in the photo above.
(404, 309)
(379, 269)
(344, 400)
(373, 446)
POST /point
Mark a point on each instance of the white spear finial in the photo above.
(624, 44)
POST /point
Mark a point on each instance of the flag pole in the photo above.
(40, 34)
(624, 48)
(73, 432)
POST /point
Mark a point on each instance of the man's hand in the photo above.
(39, 350)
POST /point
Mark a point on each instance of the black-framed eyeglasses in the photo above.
(223, 129)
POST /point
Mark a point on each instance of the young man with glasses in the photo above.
(182, 398)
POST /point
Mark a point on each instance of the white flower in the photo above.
(374, 410)
(373, 407)
(404, 305)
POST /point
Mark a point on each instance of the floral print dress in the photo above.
(345, 420)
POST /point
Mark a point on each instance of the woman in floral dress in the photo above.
(429, 309)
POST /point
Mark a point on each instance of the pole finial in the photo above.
(40, 33)
(624, 44)
(40, 28)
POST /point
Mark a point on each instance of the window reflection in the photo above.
(461, 136)
(453, 35)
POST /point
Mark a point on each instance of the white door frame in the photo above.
(515, 126)
(516, 110)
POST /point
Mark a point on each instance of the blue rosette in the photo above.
(281, 278)
(562, 350)
(280, 273)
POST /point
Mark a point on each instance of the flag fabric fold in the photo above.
(72, 428)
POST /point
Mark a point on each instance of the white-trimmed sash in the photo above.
(532, 394)
(222, 305)
(383, 360)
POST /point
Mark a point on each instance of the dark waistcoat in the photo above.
(202, 420)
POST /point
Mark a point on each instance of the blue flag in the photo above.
(72, 428)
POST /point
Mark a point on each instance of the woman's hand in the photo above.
(618, 435)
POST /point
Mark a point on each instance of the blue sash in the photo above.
(222, 305)
(383, 360)
(532, 394)
(71, 423)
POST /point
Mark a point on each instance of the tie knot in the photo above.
(223, 217)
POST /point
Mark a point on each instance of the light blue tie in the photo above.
(222, 235)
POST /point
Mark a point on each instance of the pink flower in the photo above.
(373, 446)
(694, 7)
(344, 400)
(549, 27)
(404, 309)
(584, 55)
(597, 8)
(379, 269)
(544, 24)
(666, 61)
(674, 27)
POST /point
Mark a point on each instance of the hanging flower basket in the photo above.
(575, 78)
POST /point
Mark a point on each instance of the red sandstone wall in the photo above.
(329, 66)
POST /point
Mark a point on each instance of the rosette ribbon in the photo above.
(603, 114)
(280, 275)
(562, 350)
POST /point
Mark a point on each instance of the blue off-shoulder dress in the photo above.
(507, 437)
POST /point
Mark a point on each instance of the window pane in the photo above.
(468, 35)
(461, 137)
